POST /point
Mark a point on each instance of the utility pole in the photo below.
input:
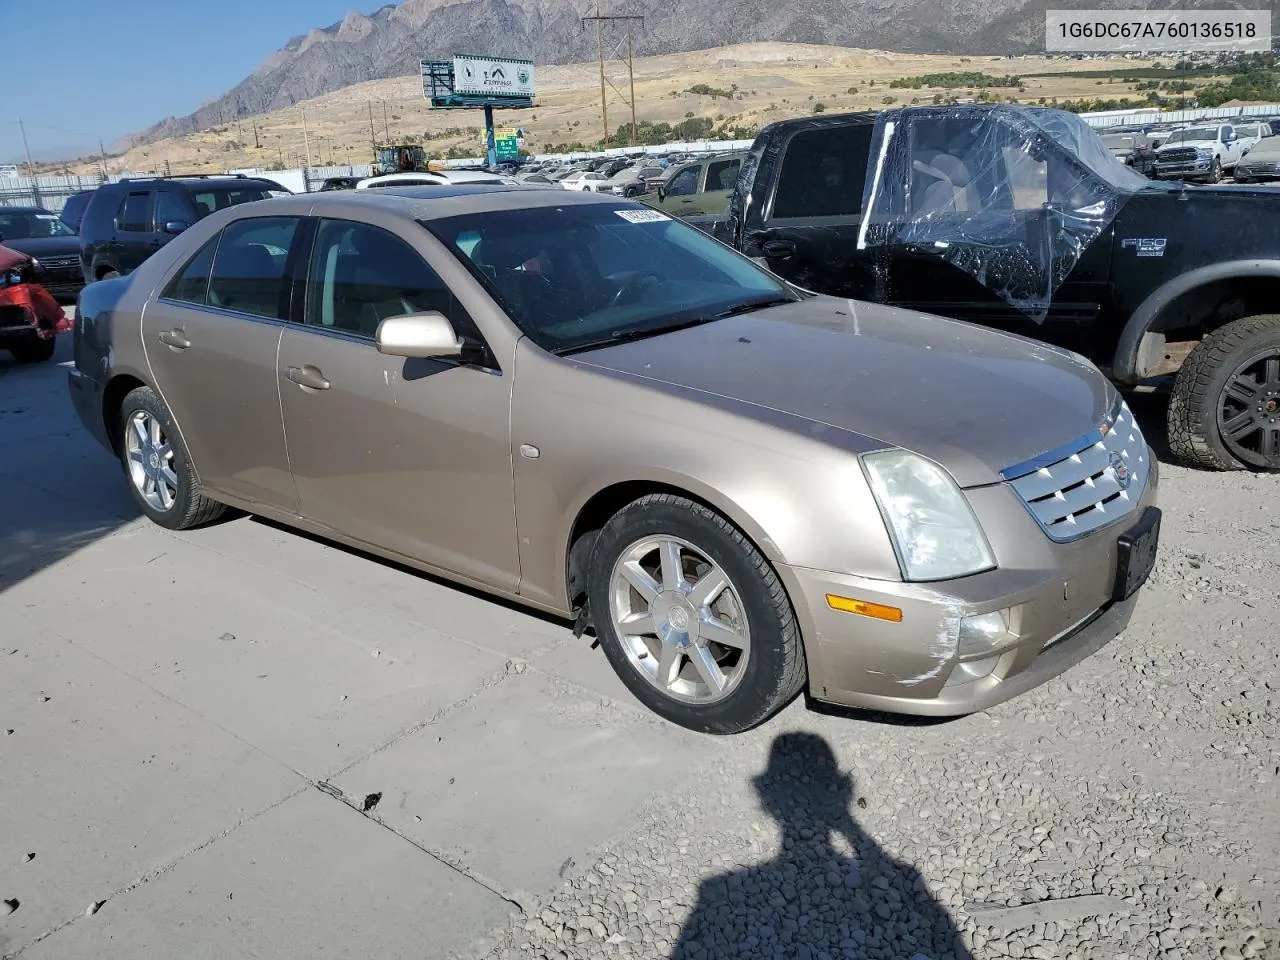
(373, 134)
(386, 127)
(306, 139)
(257, 144)
(604, 111)
(103, 152)
(31, 169)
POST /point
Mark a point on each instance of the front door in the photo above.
(412, 455)
(680, 194)
(211, 340)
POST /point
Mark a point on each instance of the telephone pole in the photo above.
(103, 152)
(31, 169)
(306, 138)
(386, 127)
(373, 134)
(597, 19)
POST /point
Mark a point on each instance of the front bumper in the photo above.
(1058, 598)
(1186, 170)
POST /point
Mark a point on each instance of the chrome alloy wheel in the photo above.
(679, 619)
(150, 459)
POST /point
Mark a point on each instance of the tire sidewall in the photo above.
(753, 699)
(145, 399)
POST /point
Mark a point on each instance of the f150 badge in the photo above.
(1146, 246)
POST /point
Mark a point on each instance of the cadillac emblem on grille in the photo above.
(1120, 470)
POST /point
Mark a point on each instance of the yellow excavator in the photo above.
(402, 158)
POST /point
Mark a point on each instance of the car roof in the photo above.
(228, 181)
(4, 209)
(426, 203)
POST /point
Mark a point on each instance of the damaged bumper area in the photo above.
(27, 309)
(961, 646)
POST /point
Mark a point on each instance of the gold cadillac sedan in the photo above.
(574, 401)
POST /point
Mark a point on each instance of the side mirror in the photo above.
(176, 226)
(418, 335)
(662, 192)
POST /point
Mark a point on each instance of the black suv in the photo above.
(128, 221)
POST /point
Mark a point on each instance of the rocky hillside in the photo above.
(390, 41)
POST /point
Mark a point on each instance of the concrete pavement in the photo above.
(200, 720)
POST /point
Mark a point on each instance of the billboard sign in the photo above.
(8, 169)
(492, 77)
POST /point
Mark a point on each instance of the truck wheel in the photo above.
(692, 617)
(156, 463)
(1215, 171)
(33, 349)
(1224, 413)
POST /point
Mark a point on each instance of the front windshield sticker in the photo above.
(46, 216)
(641, 216)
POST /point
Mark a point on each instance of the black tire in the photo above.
(189, 507)
(1215, 171)
(1199, 392)
(33, 349)
(775, 671)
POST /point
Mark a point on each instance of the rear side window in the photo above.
(191, 285)
(249, 268)
(134, 215)
(213, 200)
(723, 174)
(823, 173)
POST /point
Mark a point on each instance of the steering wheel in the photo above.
(632, 287)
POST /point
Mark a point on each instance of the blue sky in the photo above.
(82, 69)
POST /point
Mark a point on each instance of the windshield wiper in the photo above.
(750, 306)
(625, 336)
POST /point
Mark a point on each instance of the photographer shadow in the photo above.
(813, 901)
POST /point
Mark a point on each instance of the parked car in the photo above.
(532, 351)
(630, 181)
(1203, 152)
(340, 183)
(1260, 163)
(1251, 133)
(441, 178)
(54, 246)
(129, 220)
(588, 181)
(30, 318)
(698, 187)
(72, 211)
(1020, 219)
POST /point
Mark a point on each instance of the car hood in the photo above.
(1186, 143)
(974, 400)
(46, 246)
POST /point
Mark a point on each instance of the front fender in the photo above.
(1127, 366)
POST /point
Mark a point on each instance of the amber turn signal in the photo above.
(864, 608)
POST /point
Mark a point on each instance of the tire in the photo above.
(1239, 360)
(1215, 171)
(184, 507)
(33, 349)
(759, 681)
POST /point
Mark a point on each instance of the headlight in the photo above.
(1204, 151)
(934, 531)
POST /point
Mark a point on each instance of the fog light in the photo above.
(976, 669)
(982, 633)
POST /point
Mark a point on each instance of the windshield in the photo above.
(1192, 134)
(585, 275)
(28, 225)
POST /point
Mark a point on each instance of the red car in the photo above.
(30, 318)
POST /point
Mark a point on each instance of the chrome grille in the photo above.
(59, 263)
(1178, 155)
(1089, 483)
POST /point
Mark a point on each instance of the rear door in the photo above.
(718, 186)
(212, 340)
(809, 230)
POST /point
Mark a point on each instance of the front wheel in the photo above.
(34, 349)
(692, 617)
(1215, 171)
(156, 464)
(1224, 413)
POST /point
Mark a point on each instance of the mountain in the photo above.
(390, 41)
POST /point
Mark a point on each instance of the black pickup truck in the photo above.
(1020, 218)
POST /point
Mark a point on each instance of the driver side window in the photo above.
(360, 275)
(684, 183)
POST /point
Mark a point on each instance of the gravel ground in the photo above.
(1128, 809)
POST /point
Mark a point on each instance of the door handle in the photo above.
(176, 338)
(779, 249)
(308, 377)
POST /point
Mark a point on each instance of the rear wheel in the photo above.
(33, 349)
(692, 617)
(156, 464)
(1224, 413)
